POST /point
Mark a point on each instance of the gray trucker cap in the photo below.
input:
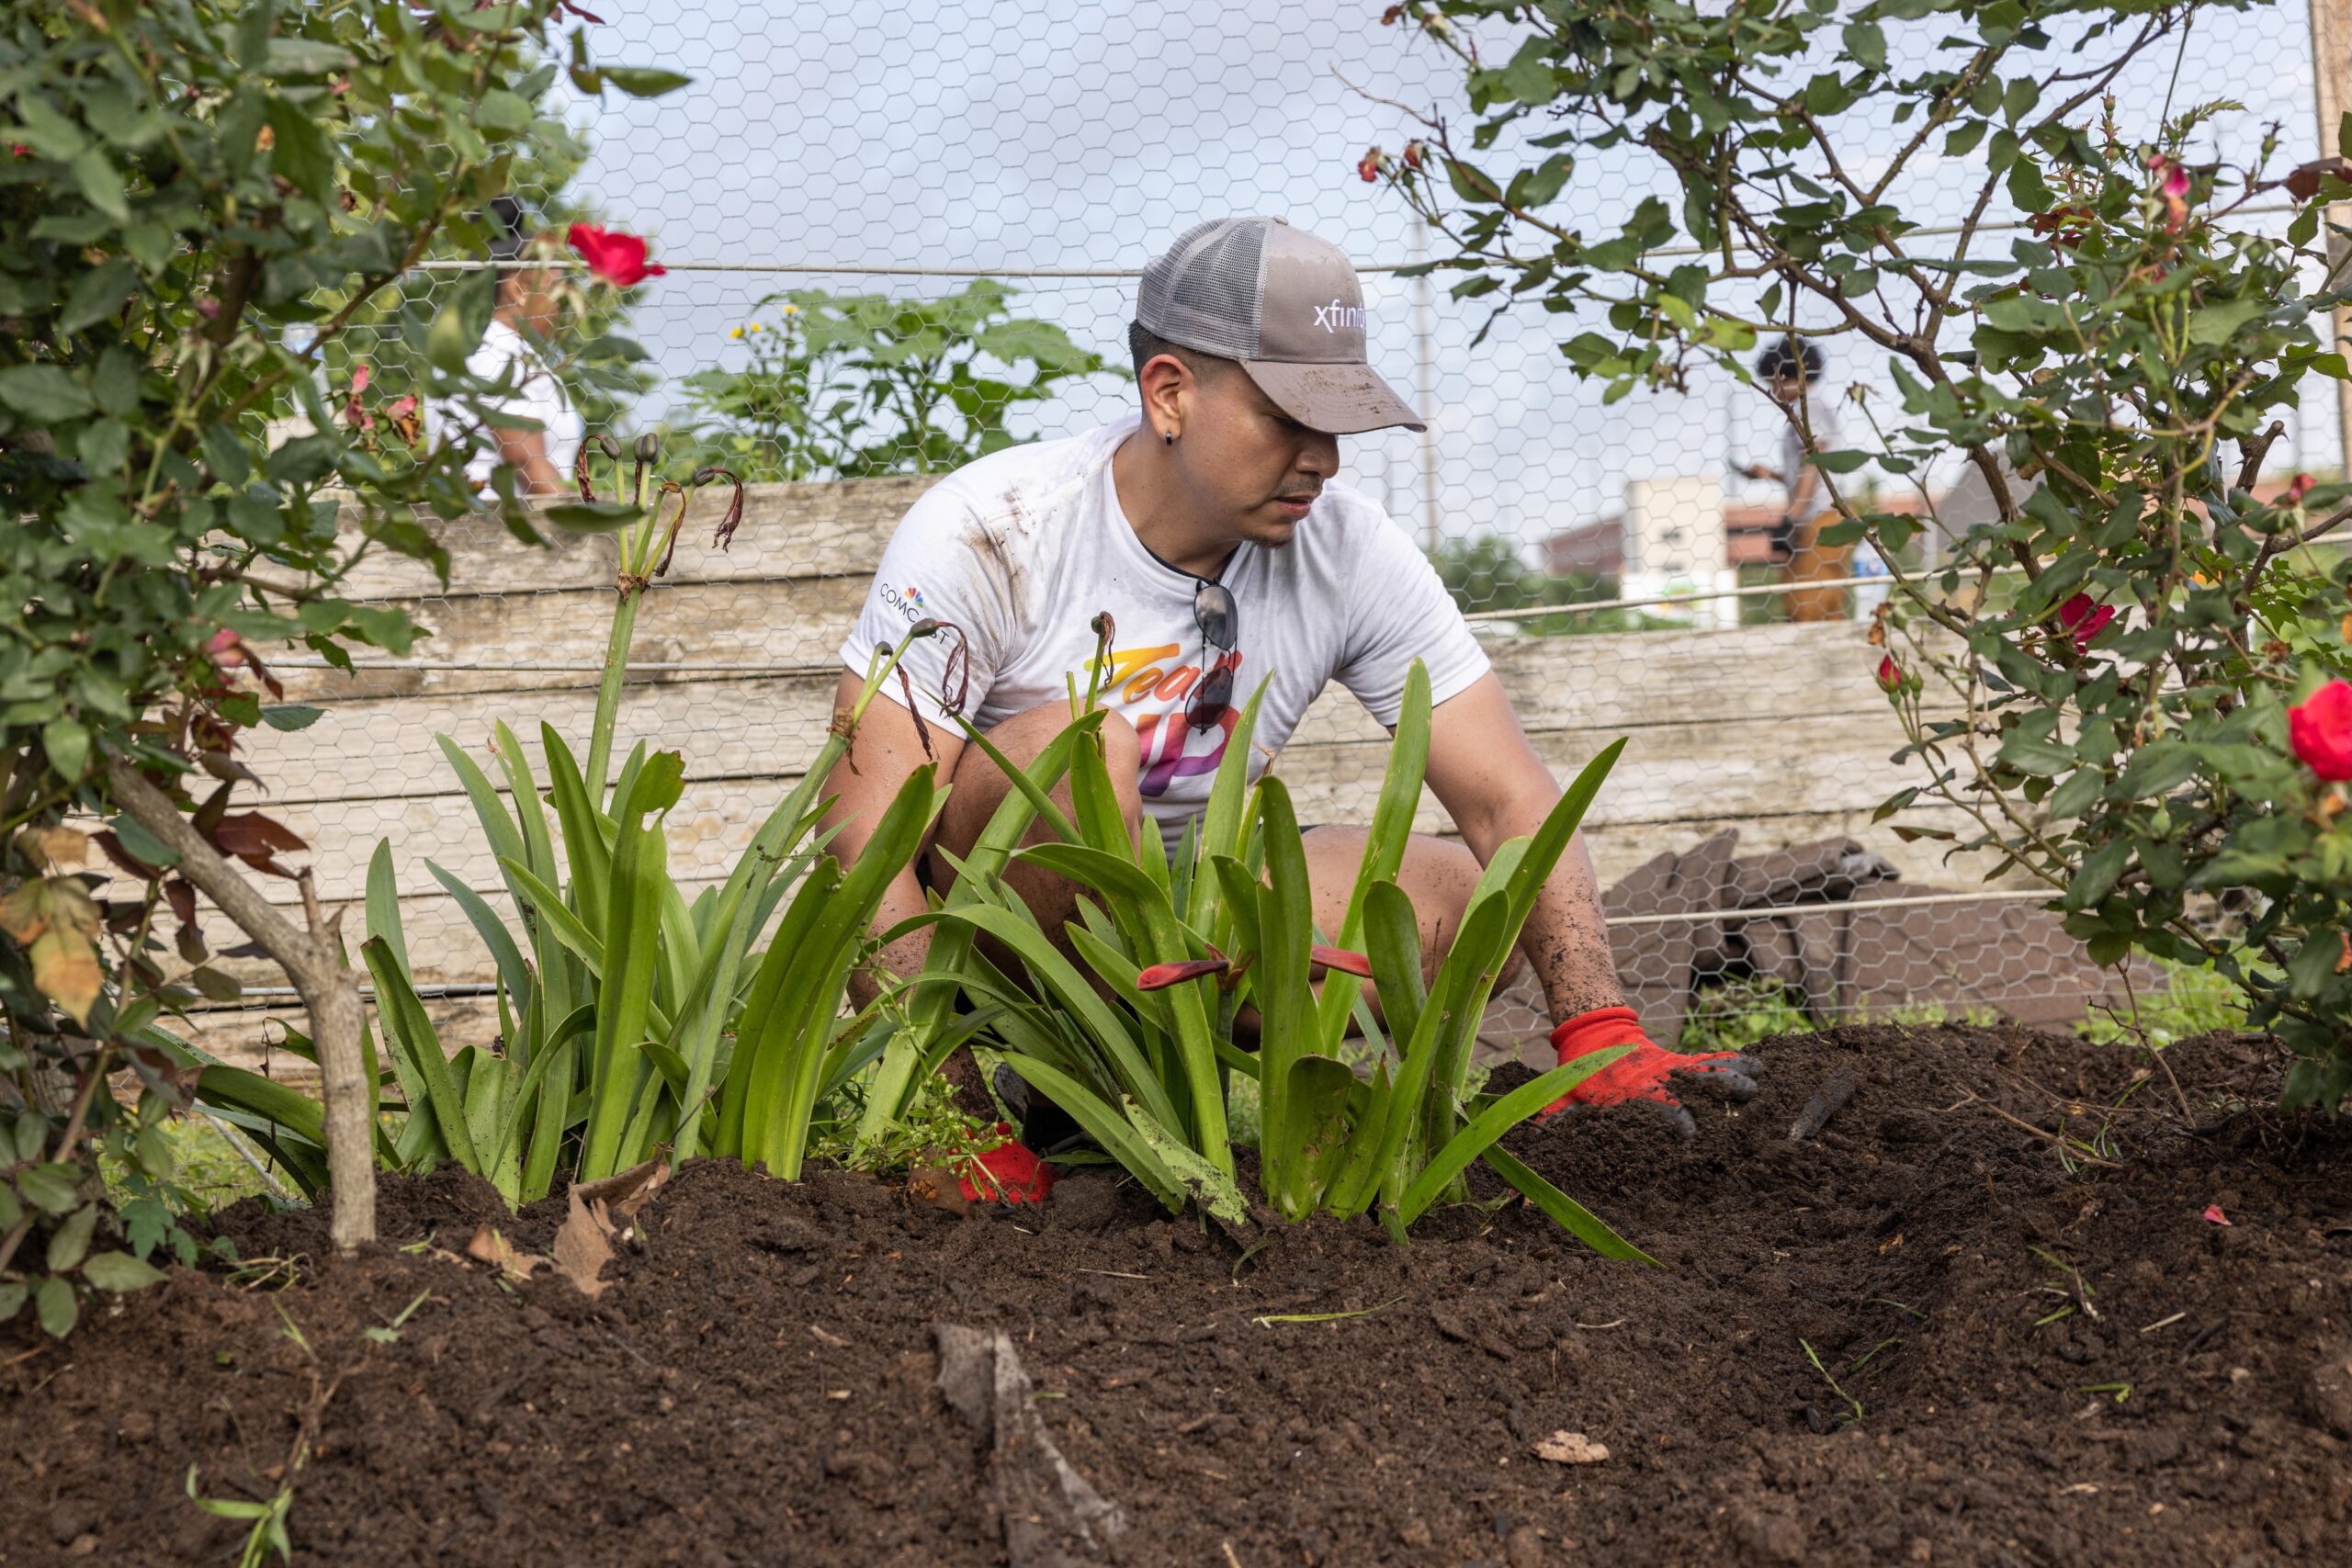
(1287, 307)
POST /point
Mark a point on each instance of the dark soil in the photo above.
(756, 1387)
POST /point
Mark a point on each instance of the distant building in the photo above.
(1673, 518)
(1598, 548)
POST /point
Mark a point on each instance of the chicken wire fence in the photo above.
(898, 232)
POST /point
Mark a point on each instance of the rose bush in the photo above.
(201, 199)
(2098, 678)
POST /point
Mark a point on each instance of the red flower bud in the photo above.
(613, 256)
(1413, 154)
(2084, 619)
(1160, 977)
(2319, 728)
(1890, 675)
(1368, 167)
(2297, 488)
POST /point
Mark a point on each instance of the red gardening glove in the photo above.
(1643, 1074)
(1007, 1173)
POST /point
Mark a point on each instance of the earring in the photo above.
(1169, 436)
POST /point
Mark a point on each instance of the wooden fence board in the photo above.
(796, 623)
(788, 530)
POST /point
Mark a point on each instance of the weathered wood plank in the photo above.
(1624, 681)
(788, 530)
(793, 623)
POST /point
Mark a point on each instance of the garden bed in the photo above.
(756, 1384)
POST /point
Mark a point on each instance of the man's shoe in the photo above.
(1047, 1129)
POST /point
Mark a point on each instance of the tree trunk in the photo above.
(313, 961)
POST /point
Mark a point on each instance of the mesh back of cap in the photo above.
(1203, 293)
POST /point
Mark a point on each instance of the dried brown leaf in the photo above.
(489, 1246)
(583, 1245)
(248, 834)
(57, 922)
(57, 847)
(627, 1192)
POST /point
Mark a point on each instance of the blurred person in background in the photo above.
(1792, 372)
(524, 319)
(1210, 527)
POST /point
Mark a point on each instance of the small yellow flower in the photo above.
(791, 310)
(735, 331)
(757, 328)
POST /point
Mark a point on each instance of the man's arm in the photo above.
(1802, 487)
(526, 452)
(1497, 788)
(884, 755)
(1490, 780)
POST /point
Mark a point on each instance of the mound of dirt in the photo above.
(1934, 1332)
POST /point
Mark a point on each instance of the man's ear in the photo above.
(1167, 386)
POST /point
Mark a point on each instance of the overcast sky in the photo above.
(1050, 134)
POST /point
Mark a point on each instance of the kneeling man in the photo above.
(1213, 532)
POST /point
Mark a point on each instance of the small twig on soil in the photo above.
(1111, 1273)
(2164, 1323)
(2082, 1292)
(1826, 1101)
(1612, 1323)
(2073, 1152)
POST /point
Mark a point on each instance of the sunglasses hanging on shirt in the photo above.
(1219, 619)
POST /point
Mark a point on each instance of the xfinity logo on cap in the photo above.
(1337, 316)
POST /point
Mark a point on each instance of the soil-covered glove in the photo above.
(1645, 1074)
(1007, 1173)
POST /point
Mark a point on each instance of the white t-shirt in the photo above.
(1023, 547)
(505, 356)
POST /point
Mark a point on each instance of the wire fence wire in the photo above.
(892, 156)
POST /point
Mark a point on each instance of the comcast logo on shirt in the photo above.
(907, 601)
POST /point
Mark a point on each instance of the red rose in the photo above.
(613, 256)
(2297, 488)
(2319, 728)
(2084, 619)
(1890, 675)
(2172, 184)
(1368, 167)
(353, 415)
